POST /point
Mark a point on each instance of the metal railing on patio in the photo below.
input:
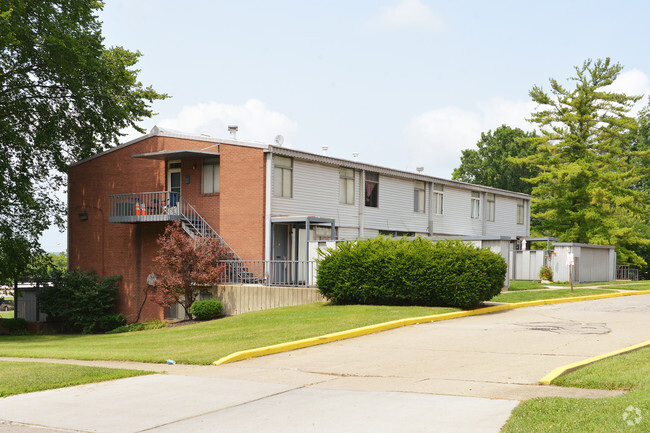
(269, 272)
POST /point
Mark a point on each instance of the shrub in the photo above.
(410, 272)
(78, 299)
(14, 326)
(206, 309)
(111, 321)
(546, 273)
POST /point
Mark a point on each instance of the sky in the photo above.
(406, 83)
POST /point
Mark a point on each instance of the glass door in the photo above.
(174, 182)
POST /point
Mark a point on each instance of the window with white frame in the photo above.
(346, 185)
(520, 211)
(282, 176)
(372, 189)
(438, 198)
(211, 174)
(418, 197)
(490, 207)
(476, 205)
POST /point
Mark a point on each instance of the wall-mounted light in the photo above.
(193, 166)
(83, 215)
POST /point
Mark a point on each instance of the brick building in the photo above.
(265, 201)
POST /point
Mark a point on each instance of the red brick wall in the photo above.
(237, 213)
(242, 200)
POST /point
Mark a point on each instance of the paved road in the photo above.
(462, 375)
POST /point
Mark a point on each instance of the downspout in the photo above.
(362, 202)
(430, 210)
(267, 207)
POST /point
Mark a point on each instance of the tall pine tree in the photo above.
(587, 188)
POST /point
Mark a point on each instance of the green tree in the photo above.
(63, 97)
(491, 163)
(585, 190)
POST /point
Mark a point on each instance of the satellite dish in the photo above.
(279, 140)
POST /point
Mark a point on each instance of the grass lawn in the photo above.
(21, 377)
(629, 372)
(206, 342)
(523, 296)
(516, 285)
(7, 314)
(627, 285)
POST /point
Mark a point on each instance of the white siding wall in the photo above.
(316, 193)
(505, 218)
(395, 208)
(457, 218)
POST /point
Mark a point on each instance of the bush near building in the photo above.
(383, 271)
(78, 299)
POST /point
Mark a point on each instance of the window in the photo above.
(520, 211)
(211, 176)
(372, 189)
(476, 205)
(438, 198)
(346, 186)
(491, 205)
(282, 176)
(418, 197)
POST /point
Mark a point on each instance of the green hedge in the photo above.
(206, 309)
(383, 271)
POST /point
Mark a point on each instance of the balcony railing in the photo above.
(146, 207)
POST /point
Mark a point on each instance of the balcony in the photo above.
(147, 207)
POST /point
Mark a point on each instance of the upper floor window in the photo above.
(520, 211)
(211, 175)
(490, 207)
(346, 186)
(372, 189)
(476, 205)
(418, 197)
(282, 176)
(438, 198)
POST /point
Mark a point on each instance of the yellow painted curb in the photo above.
(546, 380)
(299, 344)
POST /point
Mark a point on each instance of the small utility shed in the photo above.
(592, 263)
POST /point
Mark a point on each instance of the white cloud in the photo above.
(633, 83)
(256, 122)
(408, 14)
(438, 137)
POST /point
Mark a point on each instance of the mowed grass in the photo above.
(7, 314)
(524, 296)
(625, 372)
(206, 342)
(22, 377)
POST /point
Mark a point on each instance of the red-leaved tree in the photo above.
(184, 264)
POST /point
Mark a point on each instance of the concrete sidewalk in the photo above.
(460, 375)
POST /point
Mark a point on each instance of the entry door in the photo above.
(279, 267)
(174, 181)
(280, 241)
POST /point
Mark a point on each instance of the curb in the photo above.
(561, 371)
(371, 329)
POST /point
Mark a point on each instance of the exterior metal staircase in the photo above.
(169, 206)
(196, 226)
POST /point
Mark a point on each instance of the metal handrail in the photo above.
(269, 272)
(162, 206)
